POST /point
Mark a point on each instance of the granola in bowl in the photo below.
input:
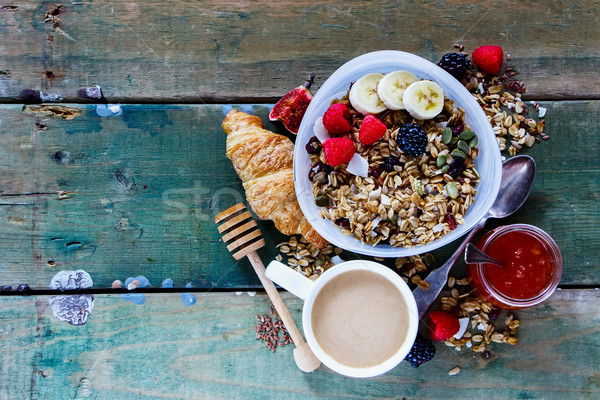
(404, 200)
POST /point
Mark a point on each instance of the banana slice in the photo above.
(392, 86)
(424, 99)
(363, 95)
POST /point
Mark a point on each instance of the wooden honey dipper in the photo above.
(238, 228)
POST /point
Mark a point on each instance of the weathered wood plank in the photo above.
(215, 51)
(136, 195)
(165, 350)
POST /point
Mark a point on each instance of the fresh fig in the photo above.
(291, 108)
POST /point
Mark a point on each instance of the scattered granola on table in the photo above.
(515, 123)
(485, 324)
(305, 258)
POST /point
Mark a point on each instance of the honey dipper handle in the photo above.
(303, 355)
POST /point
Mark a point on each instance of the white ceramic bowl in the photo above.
(488, 162)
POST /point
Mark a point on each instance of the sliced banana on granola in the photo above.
(392, 86)
(363, 95)
(424, 99)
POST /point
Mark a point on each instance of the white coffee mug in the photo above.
(308, 290)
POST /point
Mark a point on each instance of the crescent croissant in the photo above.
(264, 162)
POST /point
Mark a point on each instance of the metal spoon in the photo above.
(518, 176)
(475, 256)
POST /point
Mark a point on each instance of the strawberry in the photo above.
(337, 119)
(488, 58)
(371, 130)
(338, 150)
(443, 325)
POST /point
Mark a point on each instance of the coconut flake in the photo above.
(385, 200)
(320, 130)
(376, 222)
(480, 87)
(464, 323)
(441, 125)
(358, 166)
(542, 112)
(336, 260)
(438, 227)
(375, 194)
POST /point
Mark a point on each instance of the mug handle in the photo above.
(292, 281)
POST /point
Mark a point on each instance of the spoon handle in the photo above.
(438, 277)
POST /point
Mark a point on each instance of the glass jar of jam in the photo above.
(532, 267)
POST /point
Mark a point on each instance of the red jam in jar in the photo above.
(531, 271)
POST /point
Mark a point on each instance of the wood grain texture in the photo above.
(163, 350)
(136, 195)
(226, 51)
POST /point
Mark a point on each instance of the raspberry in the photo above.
(443, 325)
(489, 58)
(455, 64)
(338, 150)
(412, 139)
(337, 119)
(371, 130)
(421, 352)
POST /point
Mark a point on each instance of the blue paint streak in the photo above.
(188, 299)
(227, 108)
(167, 283)
(109, 110)
(247, 108)
(144, 282)
(135, 298)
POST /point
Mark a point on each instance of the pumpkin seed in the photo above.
(445, 169)
(429, 260)
(452, 190)
(441, 160)
(474, 141)
(447, 135)
(458, 153)
(418, 187)
(466, 135)
(322, 201)
(463, 146)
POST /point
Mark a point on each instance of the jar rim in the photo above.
(550, 246)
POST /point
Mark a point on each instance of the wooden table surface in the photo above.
(134, 194)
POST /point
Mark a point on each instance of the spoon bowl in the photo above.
(475, 256)
(518, 177)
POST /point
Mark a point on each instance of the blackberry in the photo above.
(456, 167)
(412, 139)
(421, 352)
(389, 162)
(313, 146)
(455, 64)
(317, 168)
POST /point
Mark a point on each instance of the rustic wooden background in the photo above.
(135, 194)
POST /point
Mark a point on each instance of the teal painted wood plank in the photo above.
(166, 350)
(135, 195)
(243, 51)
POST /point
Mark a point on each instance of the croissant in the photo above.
(264, 162)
